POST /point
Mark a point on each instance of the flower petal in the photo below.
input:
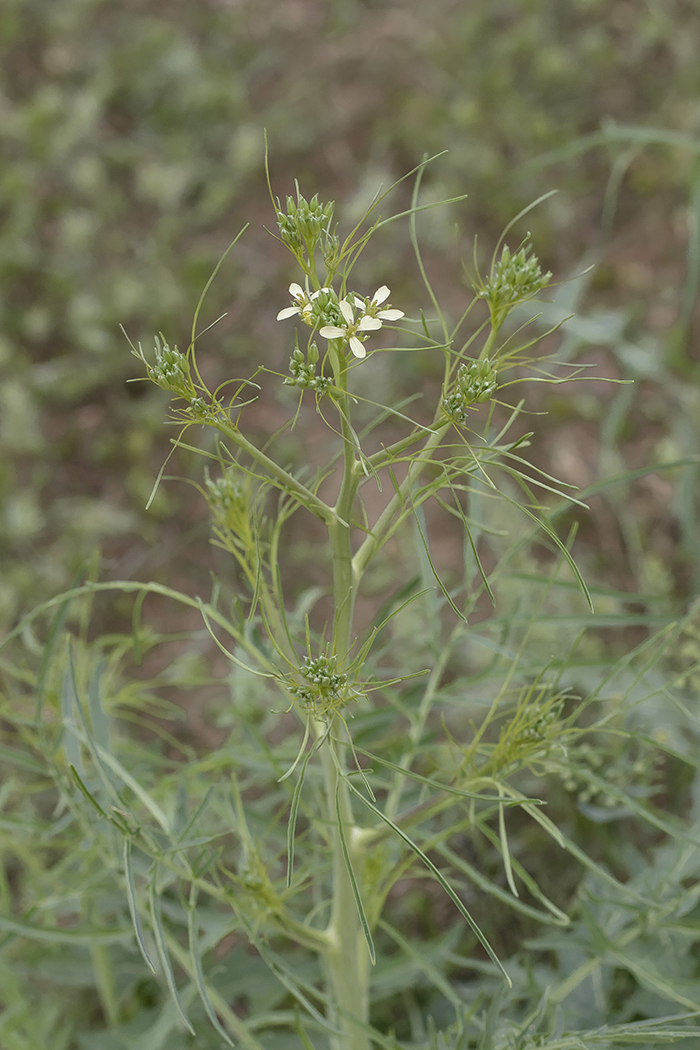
(390, 315)
(357, 347)
(297, 291)
(347, 311)
(329, 331)
(381, 295)
(359, 303)
(288, 311)
(369, 324)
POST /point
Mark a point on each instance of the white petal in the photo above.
(369, 324)
(359, 303)
(390, 315)
(330, 331)
(381, 295)
(357, 347)
(346, 311)
(296, 291)
(288, 311)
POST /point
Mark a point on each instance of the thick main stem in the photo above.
(347, 955)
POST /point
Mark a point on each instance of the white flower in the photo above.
(303, 303)
(372, 308)
(351, 327)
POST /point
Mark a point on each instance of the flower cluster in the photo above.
(302, 372)
(350, 319)
(327, 690)
(305, 225)
(476, 383)
(171, 371)
(305, 221)
(229, 500)
(514, 279)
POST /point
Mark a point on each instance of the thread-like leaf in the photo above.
(197, 970)
(133, 904)
(294, 809)
(473, 925)
(162, 948)
(505, 851)
(61, 935)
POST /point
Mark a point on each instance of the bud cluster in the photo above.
(476, 383)
(172, 370)
(302, 371)
(327, 690)
(228, 498)
(306, 225)
(633, 774)
(513, 279)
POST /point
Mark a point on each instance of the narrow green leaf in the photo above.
(99, 721)
(421, 959)
(159, 934)
(80, 935)
(198, 972)
(23, 759)
(448, 788)
(136, 621)
(435, 573)
(505, 851)
(133, 904)
(69, 699)
(293, 986)
(474, 927)
(196, 815)
(553, 915)
(88, 794)
(294, 809)
(570, 846)
(134, 785)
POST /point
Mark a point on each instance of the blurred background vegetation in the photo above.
(131, 138)
(131, 146)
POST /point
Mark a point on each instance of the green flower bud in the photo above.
(230, 502)
(327, 689)
(305, 223)
(513, 279)
(302, 371)
(172, 370)
(476, 383)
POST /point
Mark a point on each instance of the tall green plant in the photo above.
(322, 677)
(296, 847)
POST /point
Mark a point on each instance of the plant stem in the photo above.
(377, 536)
(347, 956)
(491, 339)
